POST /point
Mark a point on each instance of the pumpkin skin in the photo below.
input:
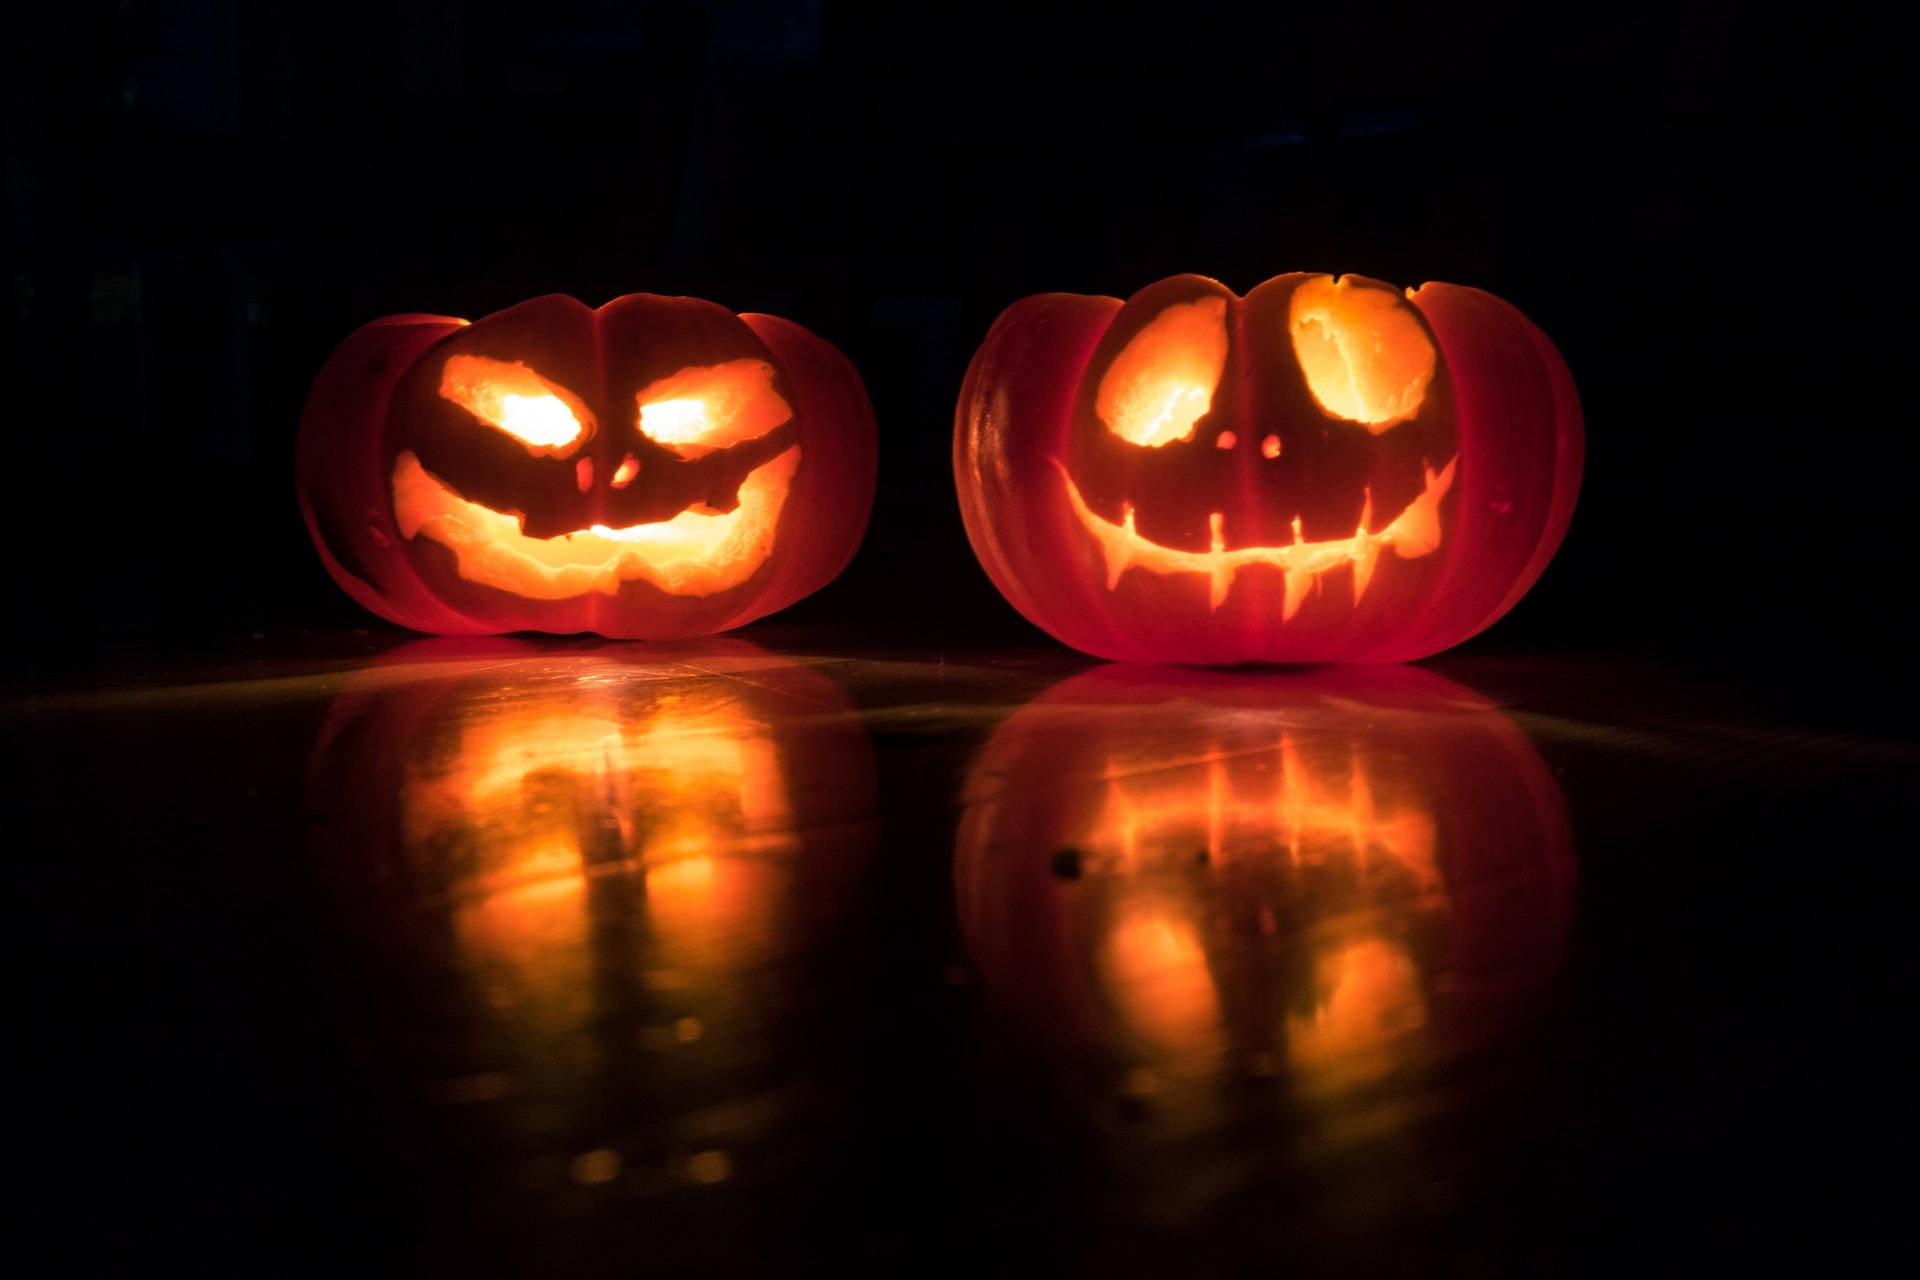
(504, 475)
(1321, 876)
(1324, 470)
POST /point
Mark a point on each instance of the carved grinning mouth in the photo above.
(696, 553)
(1414, 532)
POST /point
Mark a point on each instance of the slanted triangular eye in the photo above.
(1365, 354)
(708, 407)
(509, 397)
(1163, 380)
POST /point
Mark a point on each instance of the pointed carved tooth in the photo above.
(1417, 530)
(1299, 582)
(1364, 561)
(1221, 577)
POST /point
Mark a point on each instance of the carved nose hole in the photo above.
(623, 474)
(1225, 440)
(583, 474)
(1270, 447)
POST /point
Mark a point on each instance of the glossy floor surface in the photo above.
(591, 959)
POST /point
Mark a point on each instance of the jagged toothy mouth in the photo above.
(1414, 532)
(696, 553)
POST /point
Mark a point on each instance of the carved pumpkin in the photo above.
(1324, 470)
(590, 889)
(1185, 877)
(656, 469)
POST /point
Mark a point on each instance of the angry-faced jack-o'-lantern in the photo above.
(1323, 470)
(1187, 878)
(655, 469)
(587, 890)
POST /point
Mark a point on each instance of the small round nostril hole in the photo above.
(1226, 440)
(1270, 447)
(583, 474)
(623, 474)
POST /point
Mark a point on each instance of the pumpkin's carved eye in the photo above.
(510, 397)
(1162, 382)
(708, 407)
(1367, 359)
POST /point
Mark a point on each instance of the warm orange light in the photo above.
(1157, 970)
(697, 410)
(1366, 357)
(696, 553)
(1163, 380)
(686, 797)
(714, 912)
(1368, 998)
(675, 422)
(1257, 805)
(1413, 533)
(1235, 799)
(510, 397)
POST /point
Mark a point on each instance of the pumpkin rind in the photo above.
(342, 486)
(1495, 432)
(382, 434)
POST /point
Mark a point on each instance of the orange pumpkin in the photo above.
(655, 469)
(1323, 470)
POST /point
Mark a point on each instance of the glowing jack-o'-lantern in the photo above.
(1324, 470)
(656, 469)
(1317, 878)
(589, 886)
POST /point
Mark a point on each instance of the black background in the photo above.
(206, 197)
(1695, 203)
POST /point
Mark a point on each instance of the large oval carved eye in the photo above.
(1163, 380)
(1366, 357)
(510, 397)
(708, 407)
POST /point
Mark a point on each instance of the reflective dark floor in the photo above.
(572, 958)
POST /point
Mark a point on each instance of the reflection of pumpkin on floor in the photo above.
(1302, 849)
(1323, 470)
(1322, 876)
(590, 881)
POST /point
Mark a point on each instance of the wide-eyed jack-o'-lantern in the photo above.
(586, 893)
(1316, 879)
(1323, 470)
(655, 469)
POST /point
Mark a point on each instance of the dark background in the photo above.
(205, 197)
(1695, 203)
